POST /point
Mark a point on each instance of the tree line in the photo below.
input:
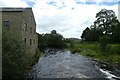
(106, 24)
(51, 40)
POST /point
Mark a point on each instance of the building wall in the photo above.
(19, 21)
(30, 33)
(15, 22)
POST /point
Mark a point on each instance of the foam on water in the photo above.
(109, 75)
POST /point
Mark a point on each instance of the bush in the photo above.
(15, 57)
(36, 57)
(104, 40)
(51, 40)
(72, 45)
(114, 49)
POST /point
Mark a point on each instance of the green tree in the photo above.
(115, 36)
(86, 34)
(106, 20)
(95, 34)
(51, 40)
(42, 44)
(53, 32)
(56, 40)
(106, 24)
(91, 35)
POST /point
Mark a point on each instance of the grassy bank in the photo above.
(92, 50)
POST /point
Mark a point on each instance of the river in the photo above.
(64, 64)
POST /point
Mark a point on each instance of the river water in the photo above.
(64, 64)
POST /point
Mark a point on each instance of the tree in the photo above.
(106, 24)
(53, 32)
(42, 44)
(115, 36)
(95, 34)
(106, 20)
(51, 40)
(86, 34)
(91, 35)
(15, 57)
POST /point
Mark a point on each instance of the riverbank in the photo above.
(35, 58)
(110, 61)
(92, 50)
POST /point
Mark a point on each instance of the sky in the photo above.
(67, 17)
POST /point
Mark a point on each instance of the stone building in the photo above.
(21, 22)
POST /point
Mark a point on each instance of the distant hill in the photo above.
(75, 39)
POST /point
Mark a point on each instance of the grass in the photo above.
(92, 50)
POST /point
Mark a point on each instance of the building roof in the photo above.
(12, 9)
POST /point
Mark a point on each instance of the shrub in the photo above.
(51, 40)
(72, 45)
(104, 40)
(114, 49)
(36, 57)
(15, 58)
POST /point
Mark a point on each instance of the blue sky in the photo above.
(68, 17)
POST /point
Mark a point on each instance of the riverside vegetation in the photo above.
(16, 57)
(17, 60)
(93, 50)
(102, 39)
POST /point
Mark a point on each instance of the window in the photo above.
(30, 18)
(34, 31)
(30, 29)
(25, 27)
(6, 23)
(25, 40)
(30, 41)
(34, 41)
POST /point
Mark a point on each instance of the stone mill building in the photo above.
(21, 22)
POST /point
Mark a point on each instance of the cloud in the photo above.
(13, 3)
(97, 2)
(68, 17)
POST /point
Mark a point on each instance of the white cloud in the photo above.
(13, 3)
(97, 1)
(65, 16)
(29, 0)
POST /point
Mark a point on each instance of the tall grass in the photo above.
(93, 50)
